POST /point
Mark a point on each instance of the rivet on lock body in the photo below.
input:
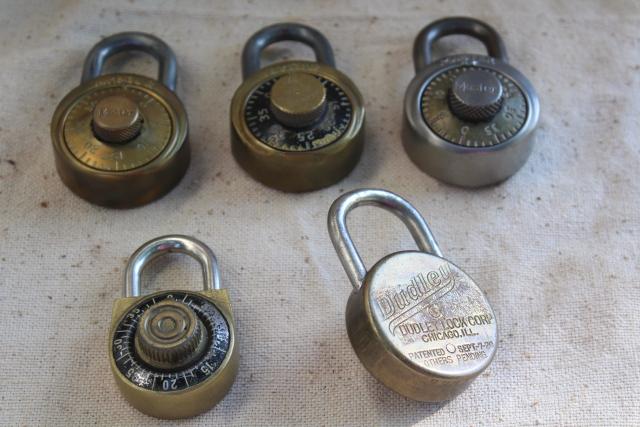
(468, 118)
(120, 140)
(173, 353)
(295, 125)
(417, 322)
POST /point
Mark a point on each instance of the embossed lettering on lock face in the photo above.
(435, 316)
(417, 322)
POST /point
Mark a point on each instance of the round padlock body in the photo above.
(120, 140)
(421, 326)
(469, 120)
(152, 349)
(297, 126)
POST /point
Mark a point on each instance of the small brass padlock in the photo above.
(468, 118)
(417, 322)
(120, 140)
(173, 353)
(295, 125)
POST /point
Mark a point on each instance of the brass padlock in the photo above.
(120, 140)
(469, 119)
(173, 353)
(418, 323)
(295, 125)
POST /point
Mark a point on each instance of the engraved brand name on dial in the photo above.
(109, 111)
(468, 59)
(121, 79)
(480, 88)
(401, 302)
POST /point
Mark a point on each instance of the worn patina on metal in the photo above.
(295, 125)
(120, 140)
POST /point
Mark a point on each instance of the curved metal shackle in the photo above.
(121, 42)
(347, 252)
(281, 32)
(423, 45)
(171, 244)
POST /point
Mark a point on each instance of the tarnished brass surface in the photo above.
(193, 400)
(421, 326)
(295, 169)
(298, 99)
(147, 151)
(116, 119)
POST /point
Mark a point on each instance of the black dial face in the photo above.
(150, 378)
(264, 126)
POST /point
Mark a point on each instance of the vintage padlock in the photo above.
(295, 125)
(120, 140)
(173, 353)
(418, 323)
(468, 118)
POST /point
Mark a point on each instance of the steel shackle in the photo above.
(286, 31)
(423, 45)
(387, 200)
(171, 244)
(121, 42)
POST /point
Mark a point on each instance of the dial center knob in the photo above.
(476, 95)
(298, 99)
(170, 335)
(116, 119)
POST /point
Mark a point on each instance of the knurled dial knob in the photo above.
(170, 335)
(116, 119)
(298, 99)
(476, 96)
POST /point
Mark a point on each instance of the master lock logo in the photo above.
(465, 86)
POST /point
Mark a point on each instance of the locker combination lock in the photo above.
(295, 125)
(418, 323)
(173, 353)
(468, 118)
(120, 140)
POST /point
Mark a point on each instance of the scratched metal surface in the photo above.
(555, 248)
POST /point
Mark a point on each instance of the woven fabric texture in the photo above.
(555, 247)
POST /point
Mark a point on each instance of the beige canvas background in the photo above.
(555, 247)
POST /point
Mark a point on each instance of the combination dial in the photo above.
(298, 112)
(473, 106)
(170, 341)
(121, 140)
(104, 129)
(295, 125)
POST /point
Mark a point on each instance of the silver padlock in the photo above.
(468, 118)
(418, 323)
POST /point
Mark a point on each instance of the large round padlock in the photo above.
(418, 323)
(468, 118)
(295, 125)
(120, 140)
(173, 353)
